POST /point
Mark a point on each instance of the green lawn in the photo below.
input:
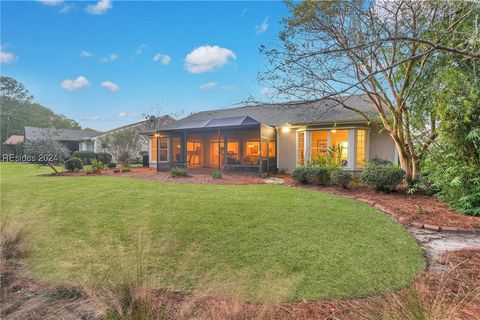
(256, 242)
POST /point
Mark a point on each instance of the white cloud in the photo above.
(78, 83)
(228, 87)
(100, 7)
(92, 118)
(266, 91)
(124, 114)
(7, 57)
(262, 27)
(140, 49)
(208, 85)
(207, 58)
(85, 54)
(110, 85)
(51, 2)
(163, 58)
(66, 8)
(111, 57)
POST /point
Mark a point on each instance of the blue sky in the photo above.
(105, 63)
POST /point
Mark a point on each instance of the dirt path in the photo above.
(435, 244)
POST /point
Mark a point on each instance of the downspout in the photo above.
(158, 153)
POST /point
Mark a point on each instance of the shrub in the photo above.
(178, 172)
(340, 178)
(112, 165)
(87, 157)
(380, 162)
(317, 175)
(126, 169)
(283, 171)
(97, 164)
(298, 174)
(73, 164)
(104, 157)
(217, 174)
(382, 178)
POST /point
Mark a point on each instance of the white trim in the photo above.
(277, 148)
(307, 137)
(352, 148)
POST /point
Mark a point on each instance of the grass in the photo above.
(256, 242)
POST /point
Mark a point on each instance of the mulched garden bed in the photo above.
(152, 174)
(418, 209)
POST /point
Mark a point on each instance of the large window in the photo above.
(163, 149)
(176, 149)
(361, 148)
(339, 139)
(252, 152)
(319, 144)
(232, 153)
(301, 148)
(214, 153)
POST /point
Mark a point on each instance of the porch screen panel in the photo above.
(153, 151)
(233, 153)
(252, 152)
(361, 148)
(194, 153)
(214, 152)
(163, 149)
(272, 148)
(176, 149)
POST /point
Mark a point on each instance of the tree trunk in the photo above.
(53, 167)
(408, 163)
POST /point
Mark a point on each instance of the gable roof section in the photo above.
(317, 112)
(33, 133)
(13, 139)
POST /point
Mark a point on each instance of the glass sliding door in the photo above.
(194, 153)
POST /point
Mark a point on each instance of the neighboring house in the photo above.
(98, 144)
(74, 140)
(9, 145)
(263, 138)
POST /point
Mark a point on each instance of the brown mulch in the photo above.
(405, 208)
(455, 293)
(152, 174)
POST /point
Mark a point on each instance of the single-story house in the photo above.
(9, 146)
(74, 140)
(267, 137)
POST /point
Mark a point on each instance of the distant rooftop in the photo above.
(14, 139)
(33, 133)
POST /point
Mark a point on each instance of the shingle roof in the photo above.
(317, 112)
(211, 123)
(33, 133)
(14, 139)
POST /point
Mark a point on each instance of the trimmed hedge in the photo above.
(382, 178)
(112, 165)
(298, 174)
(317, 175)
(86, 156)
(103, 157)
(341, 178)
(178, 172)
(73, 164)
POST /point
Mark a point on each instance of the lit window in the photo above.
(319, 144)
(301, 148)
(163, 149)
(194, 153)
(153, 152)
(361, 147)
(339, 139)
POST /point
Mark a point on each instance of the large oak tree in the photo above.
(381, 49)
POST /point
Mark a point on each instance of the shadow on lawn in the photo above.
(451, 294)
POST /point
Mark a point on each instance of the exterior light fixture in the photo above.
(334, 131)
(286, 128)
(156, 135)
